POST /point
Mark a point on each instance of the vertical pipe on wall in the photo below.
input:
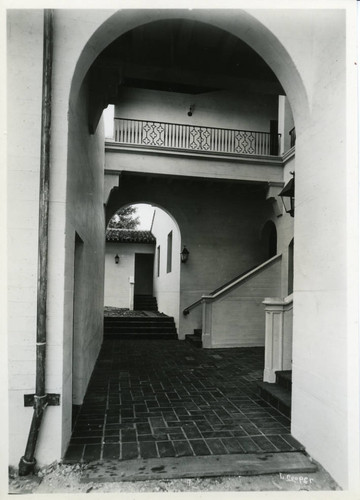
(27, 462)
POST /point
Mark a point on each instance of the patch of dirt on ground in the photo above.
(61, 478)
(118, 312)
(122, 312)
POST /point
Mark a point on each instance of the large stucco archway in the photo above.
(293, 72)
(306, 51)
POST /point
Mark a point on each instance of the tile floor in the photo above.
(166, 398)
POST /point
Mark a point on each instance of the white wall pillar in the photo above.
(278, 336)
(281, 121)
(206, 323)
(131, 292)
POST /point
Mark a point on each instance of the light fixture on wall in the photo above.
(288, 195)
(191, 109)
(117, 259)
(184, 255)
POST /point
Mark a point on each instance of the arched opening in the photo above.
(200, 110)
(142, 261)
(309, 54)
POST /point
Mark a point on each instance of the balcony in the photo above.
(194, 138)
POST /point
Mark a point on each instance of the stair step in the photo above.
(277, 396)
(134, 327)
(144, 329)
(145, 303)
(135, 336)
(138, 319)
(284, 379)
(194, 340)
(148, 302)
(145, 307)
(161, 324)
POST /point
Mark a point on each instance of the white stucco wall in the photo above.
(167, 284)
(320, 397)
(192, 165)
(238, 318)
(286, 123)
(24, 78)
(284, 226)
(85, 216)
(117, 286)
(223, 109)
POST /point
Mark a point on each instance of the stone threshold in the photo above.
(250, 464)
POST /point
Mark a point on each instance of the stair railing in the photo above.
(209, 302)
(229, 284)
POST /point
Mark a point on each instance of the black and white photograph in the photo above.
(180, 240)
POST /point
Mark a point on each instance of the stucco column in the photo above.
(278, 336)
(131, 292)
(206, 322)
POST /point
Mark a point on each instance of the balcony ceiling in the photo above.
(183, 56)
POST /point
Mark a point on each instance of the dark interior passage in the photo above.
(144, 270)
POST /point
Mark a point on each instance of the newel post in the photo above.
(278, 336)
(206, 322)
(131, 292)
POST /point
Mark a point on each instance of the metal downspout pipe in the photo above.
(40, 398)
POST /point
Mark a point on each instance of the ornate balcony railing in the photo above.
(162, 135)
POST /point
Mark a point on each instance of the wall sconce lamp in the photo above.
(184, 255)
(191, 109)
(288, 196)
(117, 259)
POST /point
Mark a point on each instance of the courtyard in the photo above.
(165, 398)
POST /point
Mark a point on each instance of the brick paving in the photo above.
(156, 398)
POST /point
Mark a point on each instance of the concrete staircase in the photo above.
(145, 303)
(141, 327)
(278, 394)
(195, 338)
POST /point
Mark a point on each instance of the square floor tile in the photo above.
(199, 446)
(148, 449)
(129, 451)
(182, 448)
(111, 451)
(166, 449)
(91, 452)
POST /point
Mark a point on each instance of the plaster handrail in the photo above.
(232, 284)
(278, 301)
